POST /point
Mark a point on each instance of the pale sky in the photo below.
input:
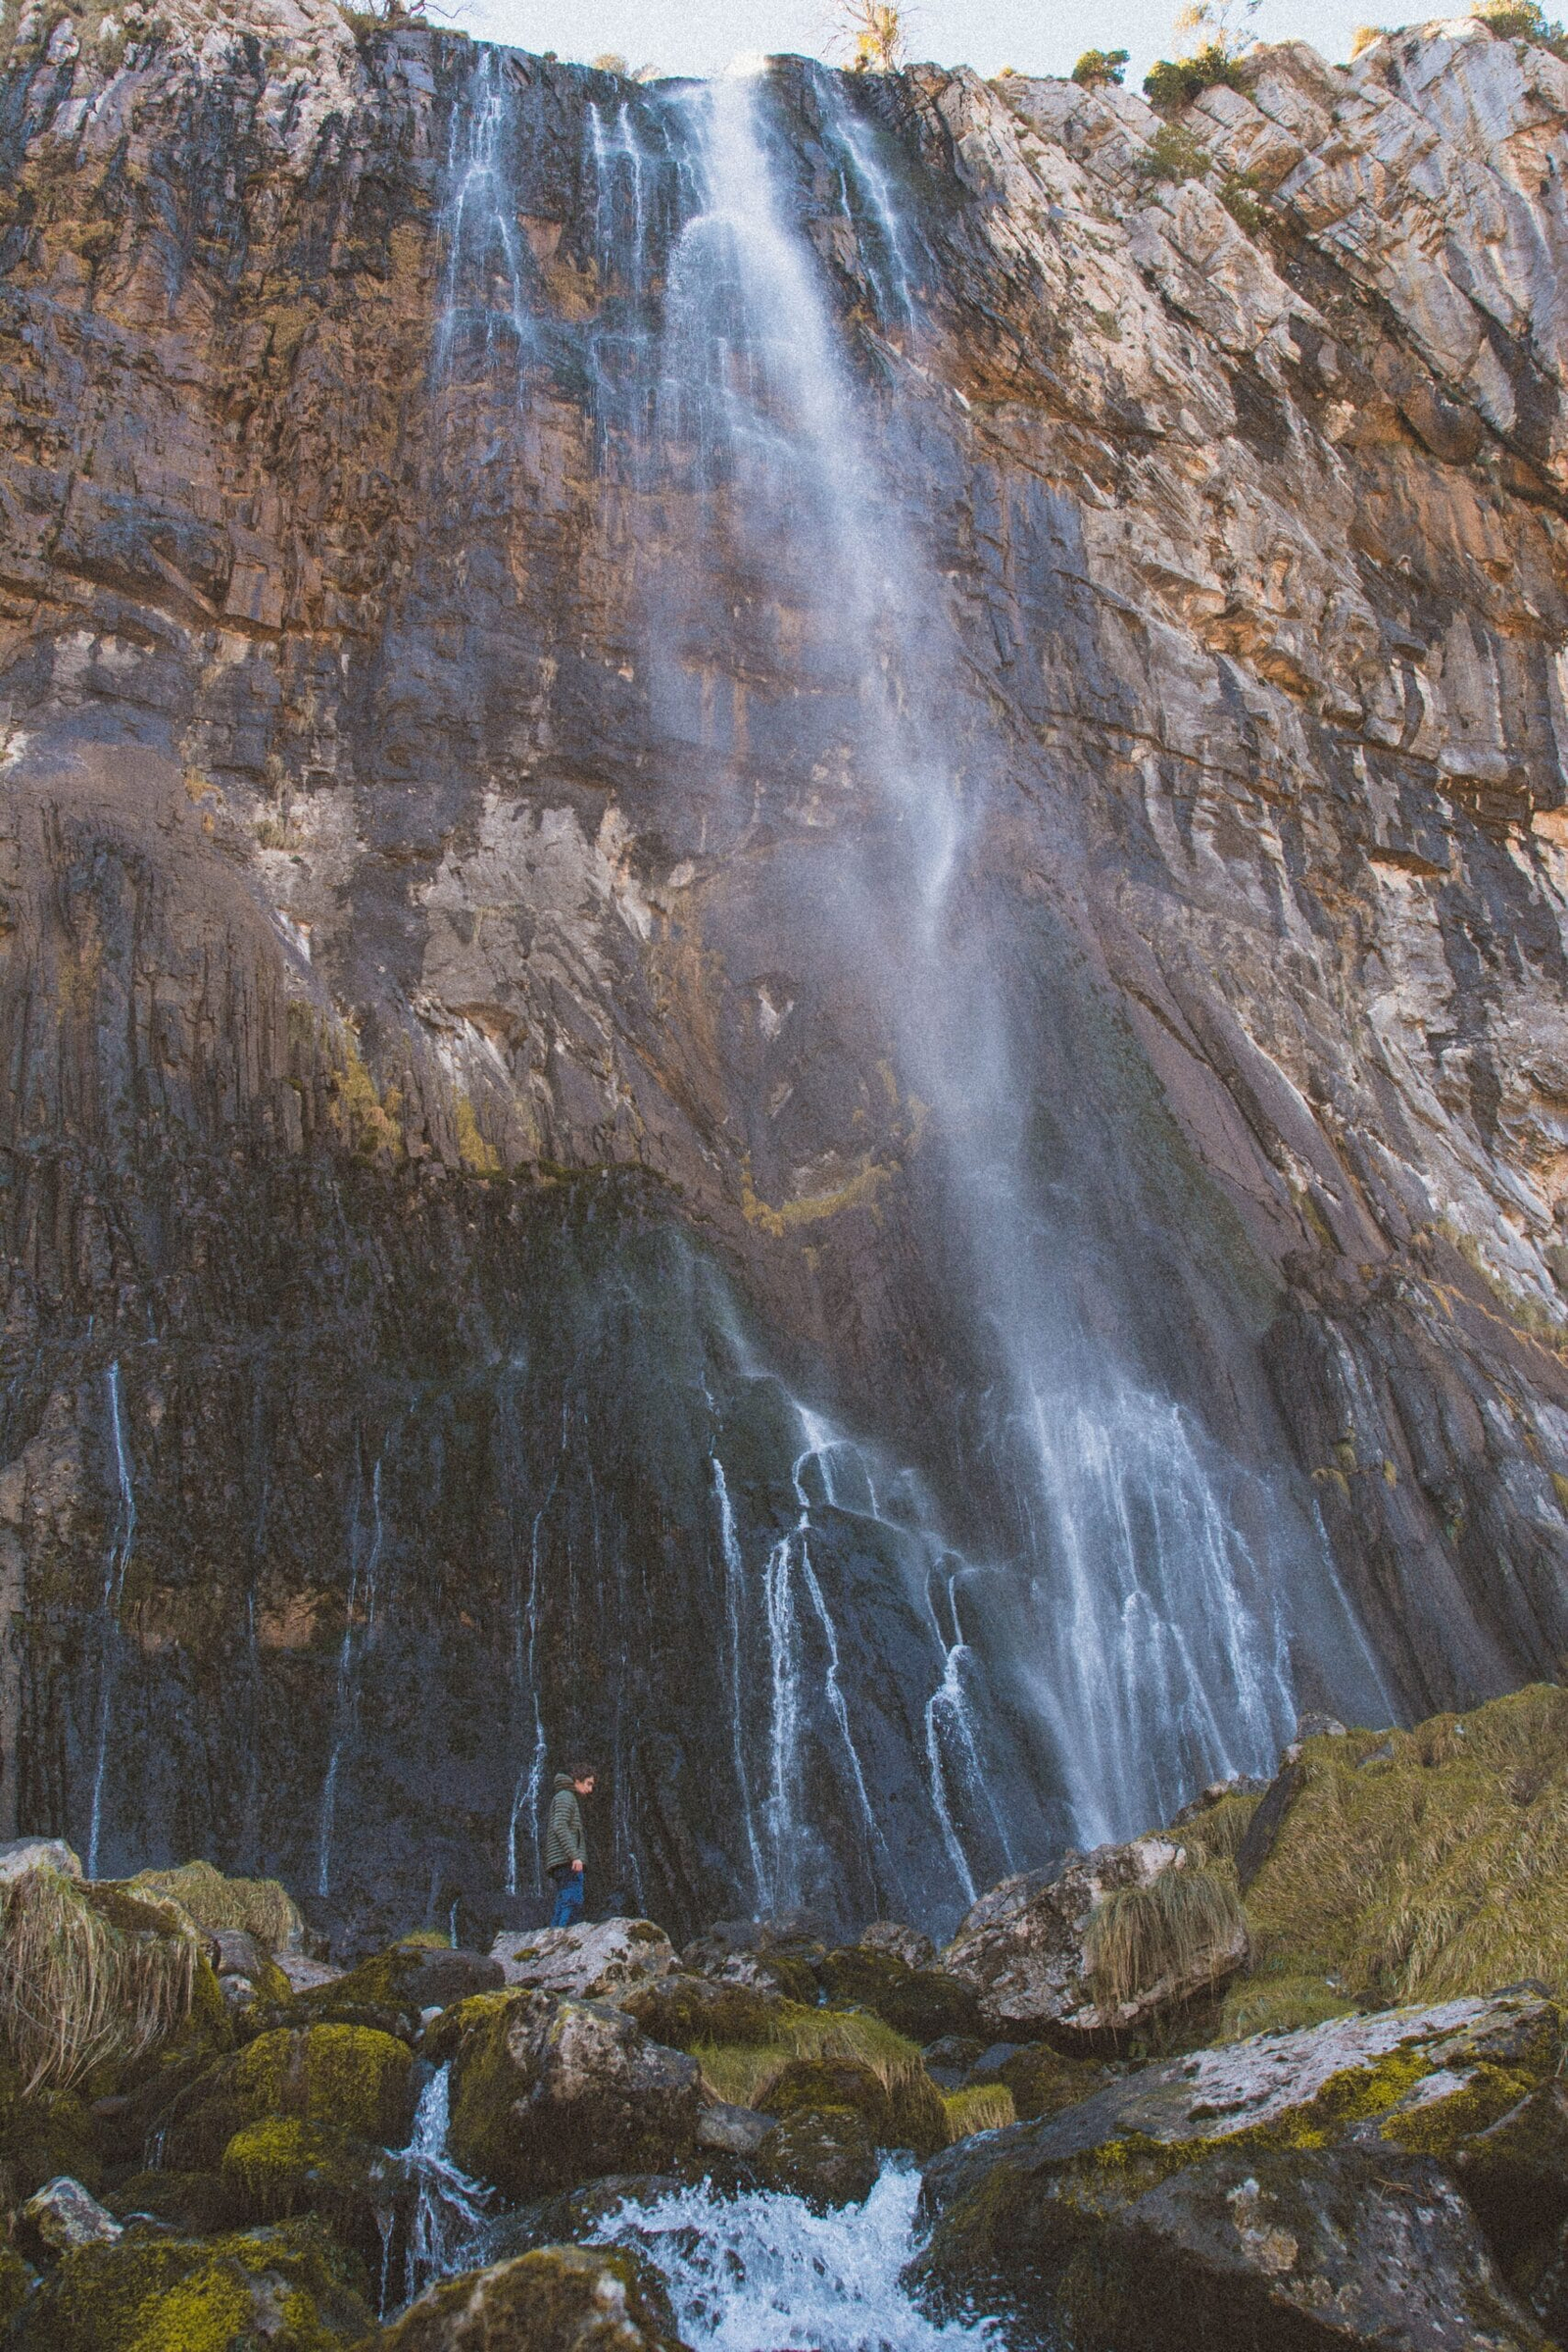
(1035, 36)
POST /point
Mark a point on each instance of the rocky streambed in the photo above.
(1059, 2129)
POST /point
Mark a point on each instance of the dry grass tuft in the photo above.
(87, 1974)
(1217, 1833)
(742, 2073)
(1181, 1925)
(988, 2108)
(1427, 1864)
(261, 1906)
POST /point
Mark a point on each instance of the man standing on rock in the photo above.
(565, 1848)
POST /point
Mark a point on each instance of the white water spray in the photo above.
(751, 2272)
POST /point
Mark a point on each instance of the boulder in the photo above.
(556, 2299)
(924, 2003)
(284, 2165)
(352, 2077)
(390, 1991)
(775, 1955)
(683, 2010)
(825, 2156)
(586, 1963)
(908, 1944)
(1046, 2081)
(1301, 2189)
(732, 2131)
(548, 2094)
(289, 2288)
(1039, 1954)
(307, 1976)
(61, 2214)
(20, 1855)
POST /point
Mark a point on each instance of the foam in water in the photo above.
(750, 2272)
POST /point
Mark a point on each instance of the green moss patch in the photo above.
(348, 2075)
(289, 2287)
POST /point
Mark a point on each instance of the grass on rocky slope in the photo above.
(263, 1907)
(745, 2072)
(1174, 1927)
(87, 1974)
(1411, 1866)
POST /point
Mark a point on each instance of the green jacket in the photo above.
(563, 1838)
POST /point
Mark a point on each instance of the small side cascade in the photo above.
(116, 1561)
(359, 1626)
(449, 2209)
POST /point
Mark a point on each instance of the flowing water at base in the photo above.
(763, 2273)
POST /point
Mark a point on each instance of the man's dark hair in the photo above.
(583, 1772)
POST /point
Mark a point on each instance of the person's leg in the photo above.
(571, 1899)
(561, 1915)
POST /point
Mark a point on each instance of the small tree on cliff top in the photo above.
(876, 32)
(1099, 68)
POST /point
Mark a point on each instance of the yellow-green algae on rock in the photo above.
(290, 2288)
(352, 2076)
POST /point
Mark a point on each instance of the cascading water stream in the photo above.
(759, 2269)
(1146, 1590)
(449, 2209)
(116, 1561)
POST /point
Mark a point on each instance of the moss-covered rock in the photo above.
(1266, 2182)
(348, 2075)
(289, 2288)
(1044, 2082)
(16, 2283)
(43, 2136)
(922, 2004)
(556, 2299)
(284, 2165)
(548, 2094)
(833, 2082)
(196, 2204)
(682, 2011)
(394, 1986)
(824, 2155)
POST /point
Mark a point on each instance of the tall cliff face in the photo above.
(783, 975)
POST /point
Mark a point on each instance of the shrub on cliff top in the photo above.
(1099, 69)
(1176, 82)
(1419, 1865)
(88, 1974)
(1520, 20)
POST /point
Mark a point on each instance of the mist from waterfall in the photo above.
(1145, 1607)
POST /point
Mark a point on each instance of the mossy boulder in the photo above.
(825, 2156)
(556, 2299)
(195, 2204)
(1044, 2081)
(586, 1963)
(900, 2109)
(16, 2283)
(354, 2077)
(924, 2003)
(1303, 2187)
(50, 2134)
(394, 1987)
(683, 2011)
(348, 2075)
(548, 2094)
(290, 2288)
(284, 2165)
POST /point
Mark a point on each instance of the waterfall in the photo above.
(1144, 1626)
(763, 2268)
(449, 2209)
(116, 1559)
(361, 1605)
(1128, 1620)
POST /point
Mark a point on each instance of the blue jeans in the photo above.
(569, 1901)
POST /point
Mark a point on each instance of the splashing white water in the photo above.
(749, 2273)
(449, 2208)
